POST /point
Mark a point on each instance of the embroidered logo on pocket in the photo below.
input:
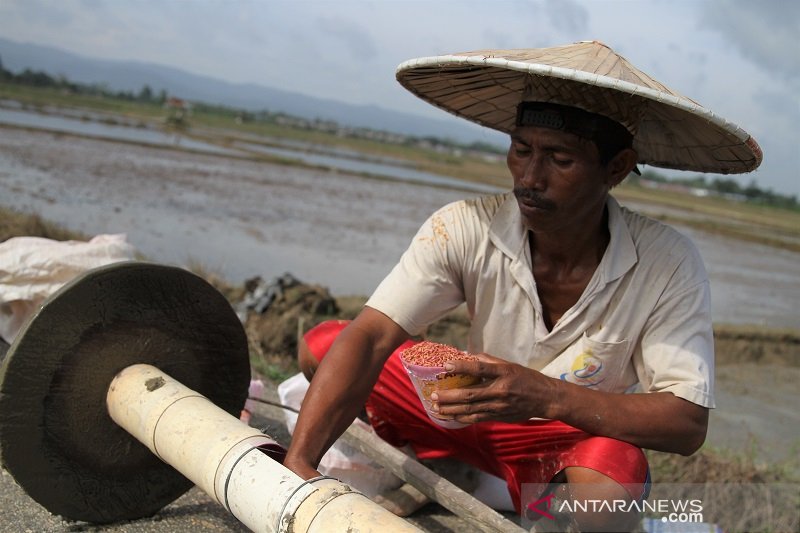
(586, 370)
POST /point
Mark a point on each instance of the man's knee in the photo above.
(305, 360)
(313, 346)
(597, 502)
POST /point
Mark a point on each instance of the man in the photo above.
(593, 323)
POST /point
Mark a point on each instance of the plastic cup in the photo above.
(429, 379)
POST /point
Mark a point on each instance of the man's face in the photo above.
(558, 178)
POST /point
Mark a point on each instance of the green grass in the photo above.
(39, 97)
(783, 220)
(771, 226)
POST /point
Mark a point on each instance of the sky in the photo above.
(738, 58)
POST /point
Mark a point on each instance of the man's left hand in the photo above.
(508, 392)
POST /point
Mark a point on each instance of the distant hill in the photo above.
(131, 76)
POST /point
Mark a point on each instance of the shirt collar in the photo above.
(507, 231)
(621, 253)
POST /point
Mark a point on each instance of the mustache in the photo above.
(533, 198)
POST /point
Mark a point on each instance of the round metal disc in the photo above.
(56, 437)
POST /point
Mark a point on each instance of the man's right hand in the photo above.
(300, 467)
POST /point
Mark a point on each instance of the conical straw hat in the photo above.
(670, 130)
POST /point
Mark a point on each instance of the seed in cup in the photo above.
(424, 363)
(428, 353)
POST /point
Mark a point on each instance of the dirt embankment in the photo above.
(748, 344)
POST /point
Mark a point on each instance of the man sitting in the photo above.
(592, 323)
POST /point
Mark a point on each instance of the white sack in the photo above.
(33, 268)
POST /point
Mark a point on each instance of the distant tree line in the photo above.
(725, 187)
(36, 78)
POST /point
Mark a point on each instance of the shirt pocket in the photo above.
(591, 363)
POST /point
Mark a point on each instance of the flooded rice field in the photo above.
(114, 127)
(243, 218)
(106, 127)
(235, 217)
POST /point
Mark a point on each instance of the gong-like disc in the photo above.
(56, 437)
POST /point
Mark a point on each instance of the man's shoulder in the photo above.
(482, 208)
(651, 234)
(467, 222)
(664, 249)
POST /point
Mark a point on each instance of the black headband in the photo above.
(582, 123)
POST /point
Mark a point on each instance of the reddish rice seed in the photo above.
(429, 354)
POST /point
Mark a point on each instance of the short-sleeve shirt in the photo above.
(643, 323)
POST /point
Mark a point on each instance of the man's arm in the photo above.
(340, 387)
(512, 393)
(657, 421)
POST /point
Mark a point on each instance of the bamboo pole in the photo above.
(429, 482)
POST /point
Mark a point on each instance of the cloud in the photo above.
(15, 12)
(355, 39)
(567, 16)
(765, 33)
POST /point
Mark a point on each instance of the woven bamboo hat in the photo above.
(670, 130)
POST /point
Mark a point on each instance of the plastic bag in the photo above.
(33, 268)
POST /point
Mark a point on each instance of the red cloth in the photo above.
(320, 337)
(533, 451)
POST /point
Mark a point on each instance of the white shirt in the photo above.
(642, 324)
